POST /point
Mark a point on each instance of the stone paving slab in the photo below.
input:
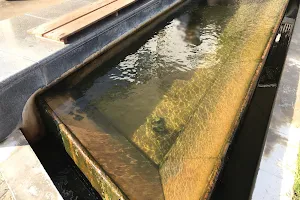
(18, 49)
(55, 11)
(10, 9)
(15, 40)
(5, 193)
(7, 60)
(22, 175)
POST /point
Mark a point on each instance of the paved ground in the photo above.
(13, 8)
(5, 193)
(28, 180)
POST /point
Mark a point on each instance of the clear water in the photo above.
(130, 90)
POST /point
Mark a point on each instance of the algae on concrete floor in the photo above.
(210, 128)
(166, 92)
(297, 180)
(177, 101)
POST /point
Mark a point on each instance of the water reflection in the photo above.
(144, 78)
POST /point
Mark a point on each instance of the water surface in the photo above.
(135, 94)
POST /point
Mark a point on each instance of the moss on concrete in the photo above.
(297, 180)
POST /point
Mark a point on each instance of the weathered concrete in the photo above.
(22, 176)
(276, 170)
(35, 63)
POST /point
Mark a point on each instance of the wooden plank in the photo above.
(63, 32)
(67, 18)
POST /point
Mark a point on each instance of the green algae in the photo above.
(297, 180)
(174, 105)
(199, 149)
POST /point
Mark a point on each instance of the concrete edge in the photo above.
(278, 163)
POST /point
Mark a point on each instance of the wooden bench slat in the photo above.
(74, 26)
(67, 18)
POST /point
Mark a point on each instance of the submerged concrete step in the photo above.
(99, 147)
(122, 162)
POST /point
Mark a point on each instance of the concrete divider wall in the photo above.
(16, 90)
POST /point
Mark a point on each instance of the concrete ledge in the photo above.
(277, 167)
(43, 62)
(22, 176)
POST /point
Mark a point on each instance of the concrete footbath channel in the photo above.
(156, 123)
(153, 117)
